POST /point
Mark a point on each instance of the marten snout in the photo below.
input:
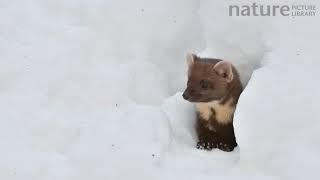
(186, 95)
(189, 94)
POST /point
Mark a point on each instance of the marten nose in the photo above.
(185, 96)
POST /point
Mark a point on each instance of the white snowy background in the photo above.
(91, 89)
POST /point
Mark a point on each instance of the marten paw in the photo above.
(225, 147)
(206, 145)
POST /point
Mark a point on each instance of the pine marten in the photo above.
(214, 86)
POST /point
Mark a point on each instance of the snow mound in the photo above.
(276, 121)
(88, 90)
(240, 40)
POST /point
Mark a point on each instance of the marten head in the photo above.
(208, 79)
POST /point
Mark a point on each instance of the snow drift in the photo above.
(90, 90)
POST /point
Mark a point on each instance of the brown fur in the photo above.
(215, 101)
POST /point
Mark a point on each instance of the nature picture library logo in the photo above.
(255, 9)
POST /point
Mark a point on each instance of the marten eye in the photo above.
(204, 84)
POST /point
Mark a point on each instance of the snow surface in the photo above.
(92, 90)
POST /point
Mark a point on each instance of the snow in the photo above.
(289, 147)
(92, 90)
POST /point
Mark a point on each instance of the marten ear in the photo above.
(191, 59)
(224, 69)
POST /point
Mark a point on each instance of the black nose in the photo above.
(185, 96)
